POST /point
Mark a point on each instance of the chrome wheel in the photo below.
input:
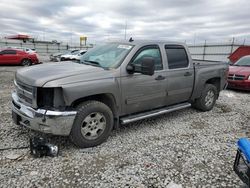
(209, 99)
(93, 126)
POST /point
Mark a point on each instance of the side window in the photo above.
(8, 52)
(4, 52)
(177, 57)
(152, 51)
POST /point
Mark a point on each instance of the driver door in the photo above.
(142, 92)
(8, 57)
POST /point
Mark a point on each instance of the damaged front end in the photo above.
(41, 109)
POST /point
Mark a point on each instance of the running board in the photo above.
(153, 113)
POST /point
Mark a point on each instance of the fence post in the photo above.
(204, 50)
(47, 48)
(232, 46)
(244, 42)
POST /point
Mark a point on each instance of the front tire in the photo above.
(207, 99)
(26, 62)
(92, 125)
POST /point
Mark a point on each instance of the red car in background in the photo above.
(239, 53)
(11, 56)
(239, 74)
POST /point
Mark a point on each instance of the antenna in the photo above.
(131, 39)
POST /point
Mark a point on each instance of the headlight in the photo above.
(50, 97)
(249, 77)
(45, 97)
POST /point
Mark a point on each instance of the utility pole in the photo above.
(71, 38)
(44, 34)
(125, 30)
(194, 38)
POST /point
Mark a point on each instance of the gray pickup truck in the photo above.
(114, 83)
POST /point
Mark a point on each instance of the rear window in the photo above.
(177, 57)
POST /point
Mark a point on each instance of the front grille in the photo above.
(24, 86)
(236, 77)
(24, 92)
(25, 98)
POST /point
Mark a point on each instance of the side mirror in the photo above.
(147, 67)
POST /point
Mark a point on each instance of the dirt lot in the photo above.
(188, 148)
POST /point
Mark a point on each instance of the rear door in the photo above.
(142, 92)
(180, 74)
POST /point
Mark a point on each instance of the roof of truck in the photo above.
(145, 42)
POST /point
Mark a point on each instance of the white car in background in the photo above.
(55, 57)
(67, 56)
(78, 56)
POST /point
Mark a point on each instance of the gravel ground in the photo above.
(187, 148)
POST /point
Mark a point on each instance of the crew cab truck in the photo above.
(114, 83)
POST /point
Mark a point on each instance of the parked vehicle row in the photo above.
(13, 56)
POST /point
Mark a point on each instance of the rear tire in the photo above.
(26, 62)
(207, 99)
(93, 124)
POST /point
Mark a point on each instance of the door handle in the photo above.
(160, 77)
(187, 74)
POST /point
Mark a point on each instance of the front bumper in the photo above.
(46, 121)
(239, 84)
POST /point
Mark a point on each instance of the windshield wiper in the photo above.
(95, 63)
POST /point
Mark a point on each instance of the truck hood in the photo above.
(239, 70)
(39, 75)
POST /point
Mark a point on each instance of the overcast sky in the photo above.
(99, 20)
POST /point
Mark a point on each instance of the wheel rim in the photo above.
(26, 62)
(93, 126)
(209, 99)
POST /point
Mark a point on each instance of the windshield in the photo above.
(75, 53)
(244, 61)
(106, 55)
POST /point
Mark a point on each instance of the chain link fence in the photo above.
(214, 51)
(205, 51)
(42, 47)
